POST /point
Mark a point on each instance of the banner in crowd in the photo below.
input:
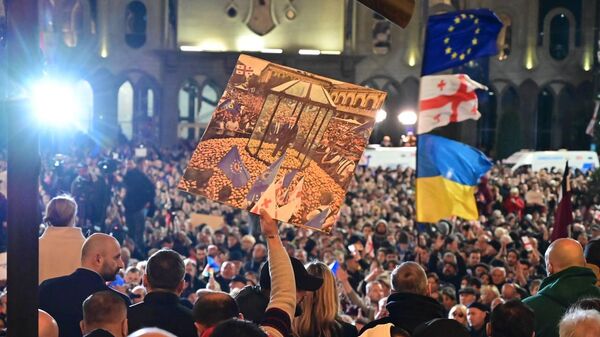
(447, 175)
(445, 99)
(283, 140)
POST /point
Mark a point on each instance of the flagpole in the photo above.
(417, 135)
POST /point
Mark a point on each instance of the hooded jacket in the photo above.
(557, 293)
(407, 311)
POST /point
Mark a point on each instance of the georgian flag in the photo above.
(444, 99)
(267, 201)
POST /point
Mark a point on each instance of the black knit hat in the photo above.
(304, 280)
(479, 306)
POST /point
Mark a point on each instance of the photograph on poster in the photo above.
(283, 140)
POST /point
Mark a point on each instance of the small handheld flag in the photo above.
(230, 106)
(334, 267)
(319, 219)
(234, 168)
(564, 212)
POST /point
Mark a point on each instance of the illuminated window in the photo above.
(150, 103)
(125, 109)
(208, 103)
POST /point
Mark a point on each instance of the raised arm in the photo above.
(282, 304)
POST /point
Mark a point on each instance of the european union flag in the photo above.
(447, 175)
(458, 37)
(234, 168)
(230, 106)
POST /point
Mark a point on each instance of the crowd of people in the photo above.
(379, 273)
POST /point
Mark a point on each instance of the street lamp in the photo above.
(55, 103)
(407, 117)
(380, 116)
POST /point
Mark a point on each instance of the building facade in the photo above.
(155, 69)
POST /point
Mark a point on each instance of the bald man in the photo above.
(409, 304)
(62, 297)
(568, 280)
(47, 326)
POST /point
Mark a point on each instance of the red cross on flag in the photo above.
(267, 201)
(445, 99)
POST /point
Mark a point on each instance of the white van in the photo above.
(537, 160)
(389, 157)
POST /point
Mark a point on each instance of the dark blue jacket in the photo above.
(63, 296)
(162, 310)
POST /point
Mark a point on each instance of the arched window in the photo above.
(390, 125)
(348, 101)
(135, 24)
(508, 139)
(85, 97)
(487, 124)
(125, 109)
(370, 103)
(505, 37)
(382, 35)
(150, 103)
(208, 102)
(188, 100)
(196, 105)
(358, 103)
(544, 119)
(559, 37)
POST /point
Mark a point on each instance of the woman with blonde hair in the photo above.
(459, 314)
(320, 309)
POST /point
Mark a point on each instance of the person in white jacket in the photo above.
(61, 242)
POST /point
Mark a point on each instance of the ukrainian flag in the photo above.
(447, 175)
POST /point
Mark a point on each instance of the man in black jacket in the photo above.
(62, 297)
(408, 305)
(139, 199)
(104, 315)
(161, 307)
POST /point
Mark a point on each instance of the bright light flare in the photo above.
(55, 103)
(380, 116)
(407, 117)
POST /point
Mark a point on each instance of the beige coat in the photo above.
(60, 251)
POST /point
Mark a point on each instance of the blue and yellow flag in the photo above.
(447, 175)
(458, 37)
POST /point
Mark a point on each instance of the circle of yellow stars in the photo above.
(454, 54)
